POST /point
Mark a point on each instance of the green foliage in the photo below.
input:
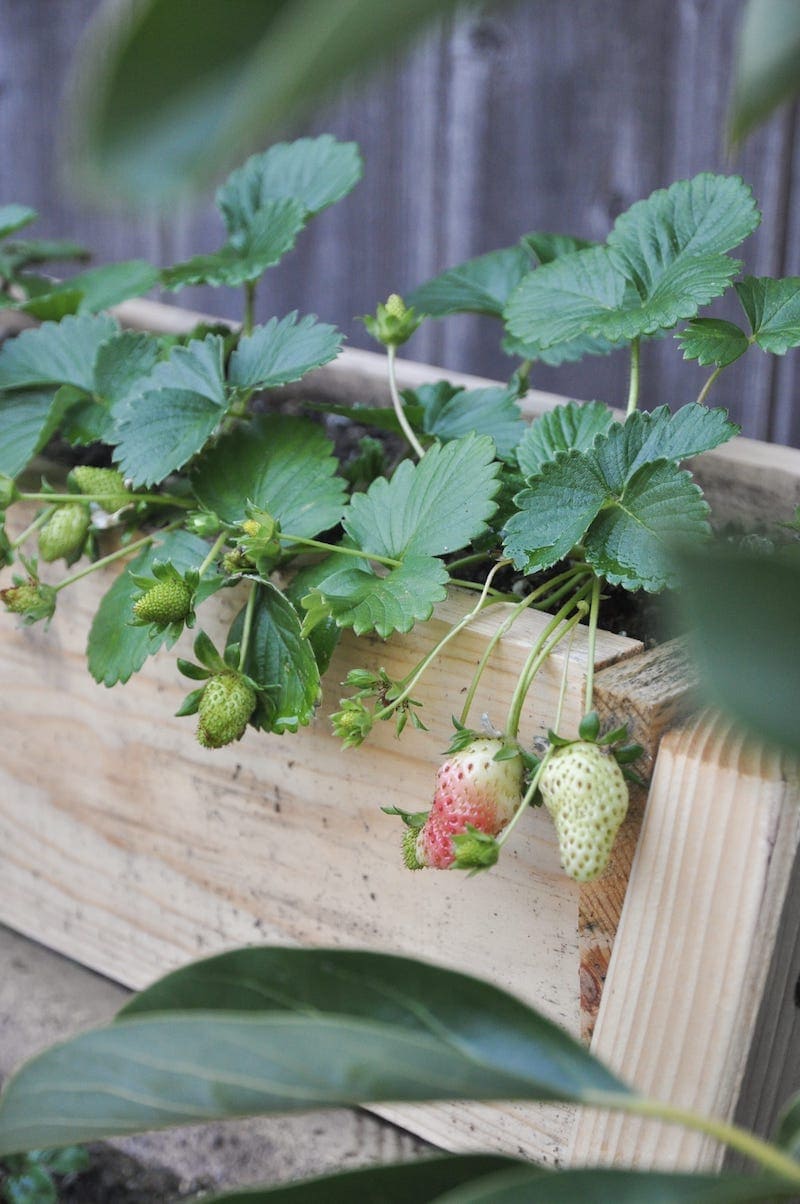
(30, 1178)
(767, 63)
(773, 310)
(665, 257)
(357, 597)
(712, 341)
(447, 412)
(262, 243)
(480, 286)
(572, 427)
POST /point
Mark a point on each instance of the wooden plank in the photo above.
(130, 848)
(694, 945)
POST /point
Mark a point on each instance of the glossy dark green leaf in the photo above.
(601, 1185)
(712, 341)
(430, 508)
(284, 465)
(422, 1182)
(149, 120)
(767, 63)
(281, 661)
(742, 609)
(115, 648)
(481, 285)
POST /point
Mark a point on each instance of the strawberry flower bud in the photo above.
(393, 323)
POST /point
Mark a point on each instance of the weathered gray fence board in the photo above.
(532, 115)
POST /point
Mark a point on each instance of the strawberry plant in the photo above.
(207, 483)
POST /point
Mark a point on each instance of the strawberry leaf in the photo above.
(21, 252)
(480, 286)
(282, 465)
(356, 597)
(431, 508)
(313, 172)
(283, 351)
(61, 353)
(664, 258)
(713, 341)
(573, 426)
(281, 662)
(28, 419)
(116, 649)
(773, 310)
(447, 412)
(265, 241)
(171, 421)
(94, 290)
(547, 247)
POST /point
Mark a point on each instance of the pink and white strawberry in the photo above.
(472, 790)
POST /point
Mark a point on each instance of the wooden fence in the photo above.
(536, 115)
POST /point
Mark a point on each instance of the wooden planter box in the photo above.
(129, 848)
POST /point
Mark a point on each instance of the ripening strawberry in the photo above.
(64, 533)
(165, 602)
(584, 790)
(471, 789)
(227, 703)
(106, 484)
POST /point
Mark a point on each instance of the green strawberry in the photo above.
(227, 703)
(64, 533)
(584, 790)
(165, 602)
(105, 483)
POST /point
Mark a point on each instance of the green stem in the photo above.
(153, 499)
(562, 693)
(118, 555)
(391, 351)
(416, 674)
(248, 626)
(329, 547)
(38, 522)
(633, 390)
(526, 798)
(568, 578)
(249, 306)
(539, 653)
(762, 1152)
(213, 552)
(593, 616)
(497, 594)
(473, 558)
(703, 394)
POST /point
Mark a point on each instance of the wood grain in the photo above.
(690, 961)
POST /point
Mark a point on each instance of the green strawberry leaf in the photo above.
(158, 431)
(644, 438)
(283, 351)
(28, 419)
(767, 60)
(664, 258)
(122, 364)
(94, 290)
(568, 352)
(271, 233)
(14, 217)
(573, 426)
(282, 465)
(324, 636)
(773, 310)
(60, 353)
(555, 511)
(281, 662)
(447, 412)
(431, 508)
(547, 247)
(356, 597)
(313, 172)
(116, 649)
(22, 252)
(629, 541)
(713, 341)
(480, 286)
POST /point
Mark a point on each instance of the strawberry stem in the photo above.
(152, 499)
(329, 547)
(118, 555)
(526, 798)
(38, 522)
(633, 388)
(540, 652)
(590, 656)
(703, 394)
(411, 680)
(247, 626)
(249, 306)
(213, 552)
(405, 427)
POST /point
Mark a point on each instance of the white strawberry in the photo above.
(472, 789)
(584, 790)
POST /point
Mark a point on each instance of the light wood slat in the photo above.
(694, 944)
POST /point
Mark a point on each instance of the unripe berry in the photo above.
(64, 533)
(585, 792)
(105, 483)
(225, 707)
(165, 602)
